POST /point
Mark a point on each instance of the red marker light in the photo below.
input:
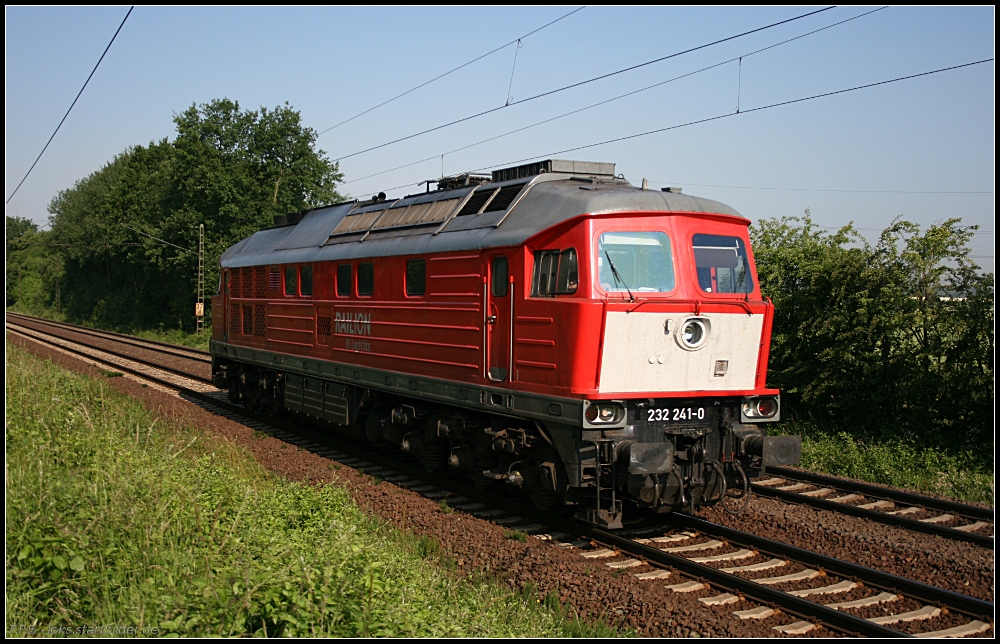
(767, 407)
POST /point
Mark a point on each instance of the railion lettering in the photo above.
(348, 323)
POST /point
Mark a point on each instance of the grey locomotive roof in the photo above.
(543, 202)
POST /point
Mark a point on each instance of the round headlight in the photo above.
(766, 407)
(693, 333)
(604, 413)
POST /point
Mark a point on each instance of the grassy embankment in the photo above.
(965, 476)
(117, 517)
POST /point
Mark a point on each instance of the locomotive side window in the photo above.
(635, 261)
(499, 286)
(306, 280)
(290, 280)
(416, 277)
(344, 280)
(722, 264)
(366, 278)
(555, 273)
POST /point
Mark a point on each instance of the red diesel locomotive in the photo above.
(551, 327)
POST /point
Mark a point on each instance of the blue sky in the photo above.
(923, 148)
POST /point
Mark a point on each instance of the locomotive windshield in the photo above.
(635, 261)
(722, 264)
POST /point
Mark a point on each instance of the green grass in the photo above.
(175, 336)
(967, 476)
(117, 517)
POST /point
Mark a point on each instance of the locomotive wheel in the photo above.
(485, 484)
(545, 499)
(371, 429)
(435, 456)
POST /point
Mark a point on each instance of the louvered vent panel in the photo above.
(259, 320)
(259, 281)
(438, 211)
(390, 217)
(234, 319)
(247, 319)
(274, 280)
(366, 220)
(323, 325)
(346, 224)
(503, 200)
(246, 281)
(473, 205)
(414, 214)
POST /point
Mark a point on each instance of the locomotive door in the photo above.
(225, 305)
(499, 307)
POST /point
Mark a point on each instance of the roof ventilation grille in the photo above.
(587, 168)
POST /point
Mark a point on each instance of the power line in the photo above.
(71, 106)
(502, 47)
(590, 80)
(904, 192)
(186, 250)
(730, 114)
(723, 116)
(974, 232)
(610, 100)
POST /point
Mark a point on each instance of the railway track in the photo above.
(916, 512)
(949, 519)
(151, 345)
(799, 588)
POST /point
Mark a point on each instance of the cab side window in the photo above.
(416, 277)
(499, 286)
(290, 280)
(344, 280)
(366, 278)
(306, 280)
(555, 273)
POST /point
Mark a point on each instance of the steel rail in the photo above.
(969, 606)
(875, 491)
(29, 333)
(177, 350)
(986, 541)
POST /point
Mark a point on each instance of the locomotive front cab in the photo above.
(678, 419)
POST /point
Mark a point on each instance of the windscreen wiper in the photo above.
(618, 278)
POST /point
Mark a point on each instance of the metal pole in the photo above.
(199, 308)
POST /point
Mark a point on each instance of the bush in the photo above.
(891, 341)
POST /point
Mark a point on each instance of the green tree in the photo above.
(895, 338)
(128, 233)
(31, 272)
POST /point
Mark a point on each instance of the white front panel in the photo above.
(640, 355)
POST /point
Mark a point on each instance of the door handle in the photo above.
(491, 319)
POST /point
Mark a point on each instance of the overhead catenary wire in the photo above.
(186, 250)
(610, 100)
(580, 83)
(749, 111)
(463, 65)
(37, 159)
(723, 116)
(902, 192)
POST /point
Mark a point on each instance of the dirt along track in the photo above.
(645, 605)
